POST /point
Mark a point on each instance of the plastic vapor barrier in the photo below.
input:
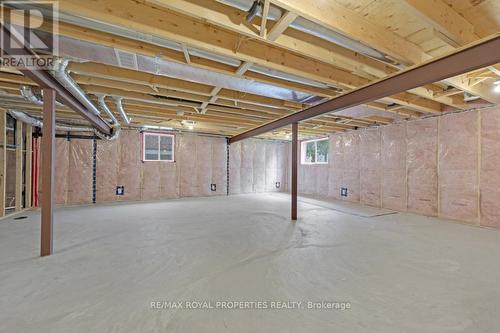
(458, 167)
(394, 167)
(258, 166)
(370, 187)
(490, 161)
(421, 161)
(352, 166)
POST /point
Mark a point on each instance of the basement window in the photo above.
(158, 147)
(315, 151)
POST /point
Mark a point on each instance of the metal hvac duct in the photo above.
(30, 95)
(105, 108)
(61, 74)
(311, 28)
(23, 117)
(119, 107)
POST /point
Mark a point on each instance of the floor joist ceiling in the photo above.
(405, 33)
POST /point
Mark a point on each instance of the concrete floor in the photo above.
(399, 272)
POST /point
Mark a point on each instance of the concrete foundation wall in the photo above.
(199, 162)
(443, 166)
(257, 165)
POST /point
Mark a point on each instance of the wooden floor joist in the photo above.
(481, 54)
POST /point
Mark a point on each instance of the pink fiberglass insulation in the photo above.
(259, 166)
(271, 155)
(169, 187)
(256, 165)
(151, 175)
(313, 179)
(203, 169)
(336, 165)
(458, 167)
(219, 166)
(422, 136)
(201, 161)
(394, 167)
(306, 181)
(235, 168)
(80, 171)
(283, 165)
(61, 171)
(370, 173)
(186, 157)
(107, 162)
(130, 160)
(352, 166)
(322, 175)
(490, 160)
(246, 172)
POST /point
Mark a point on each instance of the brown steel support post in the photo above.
(48, 161)
(294, 169)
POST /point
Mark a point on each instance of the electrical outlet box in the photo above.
(343, 192)
(278, 184)
(120, 190)
(213, 187)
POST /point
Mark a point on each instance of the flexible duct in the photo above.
(119, 107)
(61, 74)
(30, 95)
(23, 117)
(63, 77)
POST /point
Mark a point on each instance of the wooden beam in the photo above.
(263, 23)
(292, 40)
(435, 93)
(334, 16)
(3, 159)
(243, 68)
(182, 29)
(414, 102)
(186, 54)
(281, 25)
(478, 55)
(255, 76)
(294, 166)
(48, 171)
(444, 19)
(485, 91)
(448, 92)
(228, 17)
(19, 166)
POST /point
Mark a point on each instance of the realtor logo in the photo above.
(29, 36)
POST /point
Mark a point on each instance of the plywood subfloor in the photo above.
(400, 272)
